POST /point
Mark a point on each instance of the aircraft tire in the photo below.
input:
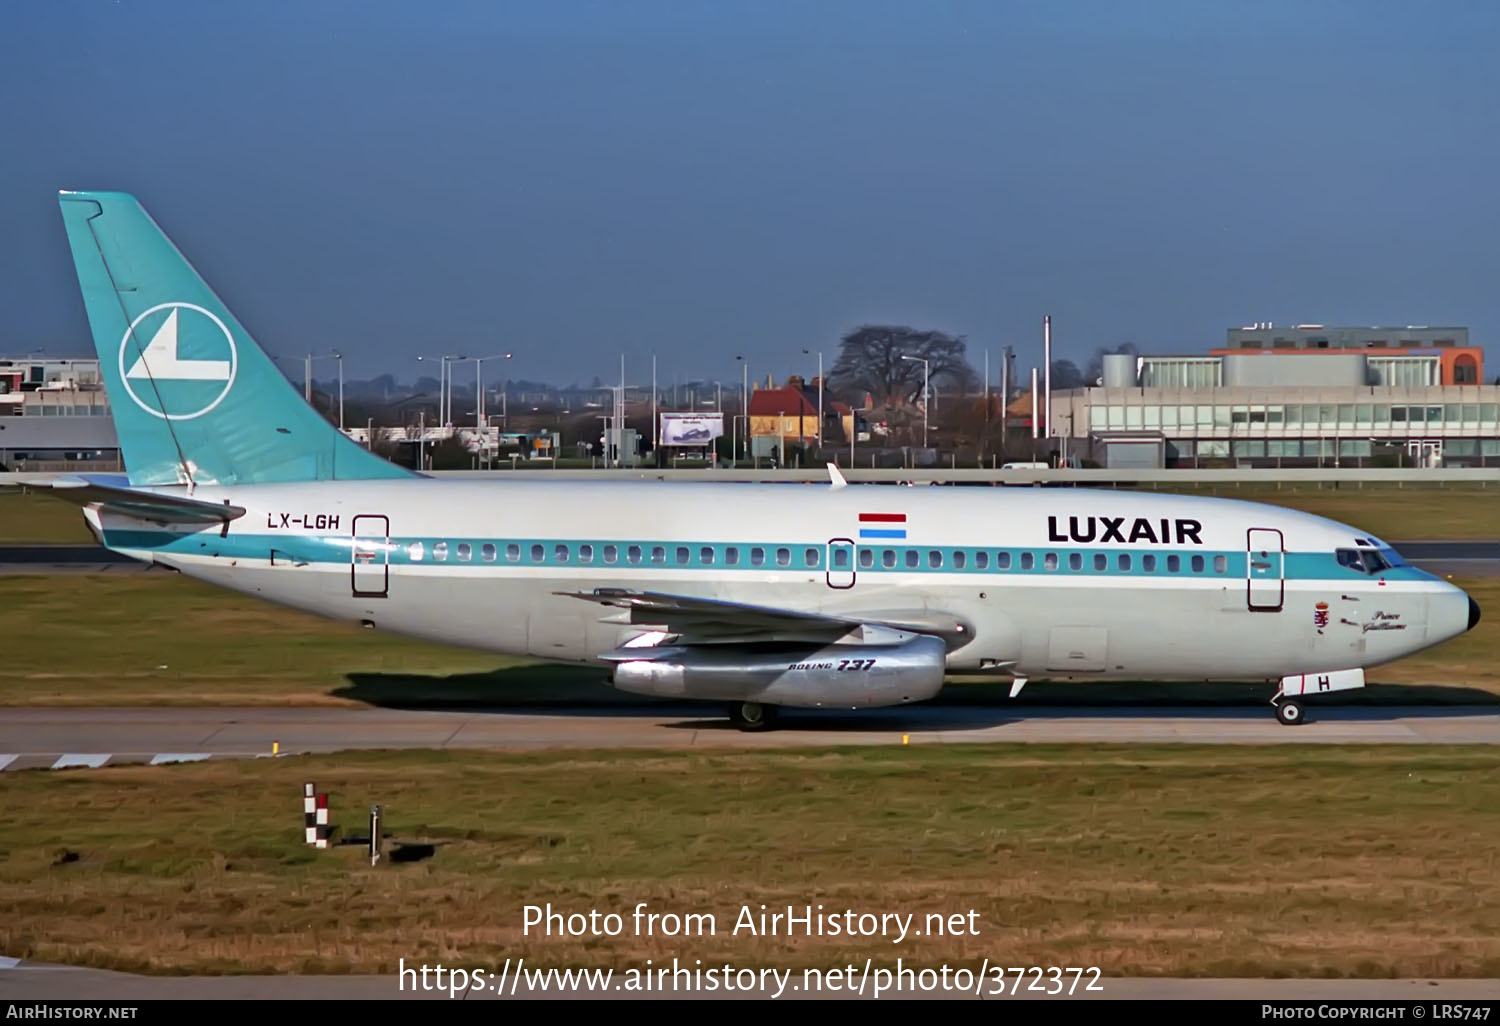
(752, 716)
(1290, 714)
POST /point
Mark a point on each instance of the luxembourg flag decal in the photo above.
(882, 525)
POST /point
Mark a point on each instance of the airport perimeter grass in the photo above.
(1456, 512)
(27, 518)
(1415, 513)
(1142, 860)
(157, 638)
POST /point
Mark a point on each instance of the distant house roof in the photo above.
(789, 402)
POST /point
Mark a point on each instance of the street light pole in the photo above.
(925, 400)
(820, 396)
(744, 403)
(332, 354)
(479, 421)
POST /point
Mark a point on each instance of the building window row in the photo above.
(1352, 416)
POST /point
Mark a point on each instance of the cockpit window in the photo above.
(1366, 561)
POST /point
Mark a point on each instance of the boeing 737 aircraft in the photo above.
(756, 595)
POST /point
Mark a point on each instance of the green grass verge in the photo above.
(84, 639)
(28, 518)
(1142, 860)
(1459, 512)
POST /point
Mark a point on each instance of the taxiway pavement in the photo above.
(63, 738)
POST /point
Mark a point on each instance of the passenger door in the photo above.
(840, 563)
(370, 556)
(1265, 581)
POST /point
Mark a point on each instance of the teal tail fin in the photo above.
(195, 400)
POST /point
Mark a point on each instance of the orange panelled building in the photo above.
(1457, 362)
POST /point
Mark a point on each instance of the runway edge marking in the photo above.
(75, 761)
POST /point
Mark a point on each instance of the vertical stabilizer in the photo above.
(194, 399)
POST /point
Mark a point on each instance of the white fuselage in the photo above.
(1060, 583)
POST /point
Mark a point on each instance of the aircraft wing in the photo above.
(118, 497)
(703, 620)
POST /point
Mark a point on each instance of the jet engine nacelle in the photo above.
(808, 677)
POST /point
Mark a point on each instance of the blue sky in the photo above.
(572, 180)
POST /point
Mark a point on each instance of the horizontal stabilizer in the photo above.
(132, 502)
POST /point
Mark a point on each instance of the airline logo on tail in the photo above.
(177, 361)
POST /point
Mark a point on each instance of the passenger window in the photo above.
(585, 553)
(414, 552)
(912, 558)
(1148, 563)
(464, 552)
(1101, 561)
(1197, 564)
(560, 553)
(658, 554)
(757, 556)
(981, 560)
(1002, 560)
(1075, 561)
(513, 552)
(1027, 561)
(959, 560)
(1221, 564)
(783, 557)
(732, 556)
(841, 559)
(488, 552)
(888, 558)
(1124, 562)
(934, 559)
(812, 557)
(706, 555)
(633, 554)
(538, 553)
(867, 558)
(611, 553)
(1049, 561)
(440, 551)
(1174, 564)
(682, 555)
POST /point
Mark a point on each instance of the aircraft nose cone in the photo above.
(1473, 613)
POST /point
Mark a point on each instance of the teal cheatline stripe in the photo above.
(643, 554)
(192, 395)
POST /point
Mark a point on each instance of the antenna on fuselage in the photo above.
(837, 478)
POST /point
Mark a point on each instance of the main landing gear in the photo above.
(1289, 712)
(752, 715)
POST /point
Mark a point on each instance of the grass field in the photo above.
(32, 519)
(1177, 861)
(1418, 513)
(1456, 512)
(85, 639)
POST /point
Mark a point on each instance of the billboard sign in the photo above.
(691, 428)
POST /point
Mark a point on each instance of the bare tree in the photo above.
(870, 360)
(1066, 375)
